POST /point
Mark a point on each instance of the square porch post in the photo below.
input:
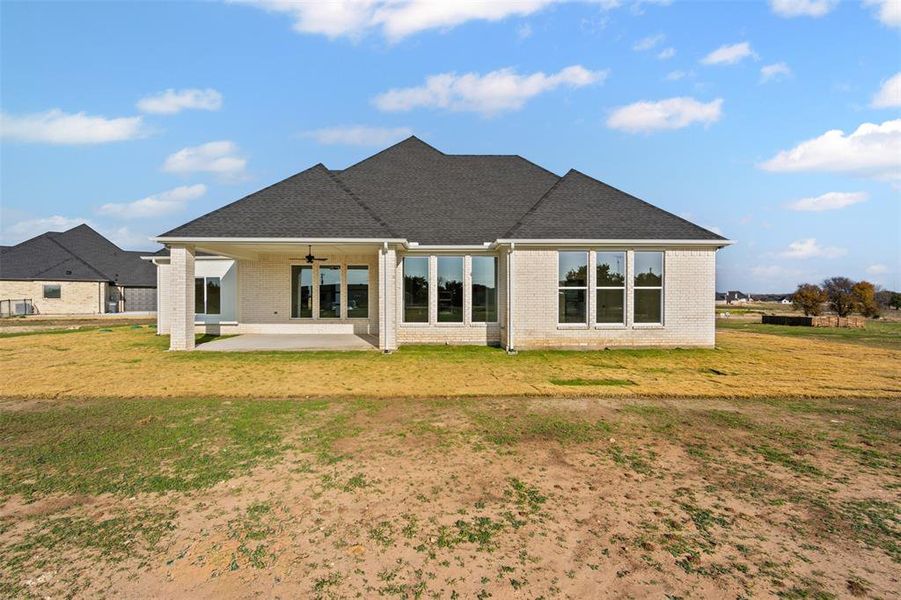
(182, 289)
(387, 293)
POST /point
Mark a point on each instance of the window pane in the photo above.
(329, 292)
(450, 289)
(611, 269)
(610, 306)
(649, 269)
(358, 292)
(573, 269)
(484, 289)
(571, 306)
(648, 306)
(416, 289)
(301, 292)
(212, 295)
(199, 296)
(52, 291)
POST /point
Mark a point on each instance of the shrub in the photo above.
(809, 298)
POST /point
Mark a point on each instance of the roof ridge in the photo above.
(358, 200)
(76, 257)
(519, 156)
(396, 144)
(534, 207)
(654, 206)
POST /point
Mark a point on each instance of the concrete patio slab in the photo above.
(292, 342)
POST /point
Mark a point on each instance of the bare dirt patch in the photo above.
(512, 497)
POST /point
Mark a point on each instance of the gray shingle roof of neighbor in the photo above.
(79, 254)
(416, 192)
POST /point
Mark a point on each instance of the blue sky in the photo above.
(777, 124)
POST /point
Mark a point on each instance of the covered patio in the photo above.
(292, 342)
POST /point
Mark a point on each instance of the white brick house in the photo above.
(414, 246)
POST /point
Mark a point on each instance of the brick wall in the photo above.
(688, 315)
(76, 297)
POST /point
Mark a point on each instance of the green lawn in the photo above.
(879, 333)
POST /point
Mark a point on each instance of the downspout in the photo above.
(511, 338)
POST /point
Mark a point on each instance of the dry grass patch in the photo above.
(132, 363)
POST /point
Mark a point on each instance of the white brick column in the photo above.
(182, 291)
(387, 299)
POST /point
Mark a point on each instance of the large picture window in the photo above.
(416, 289)
(329, 292)
(648, 301)
(207, 296)
(301, 292)
(610, 269)
(572, 287)
(484, 289)
(450, 289)
(357, 292)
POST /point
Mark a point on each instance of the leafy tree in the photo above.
(864, 294)
(809, 298)
(839, 292)
(888, 299)
(895, 302)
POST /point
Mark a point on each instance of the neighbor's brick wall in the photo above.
(689, 283)
(264, 296)
(77, 297)
(445, 333)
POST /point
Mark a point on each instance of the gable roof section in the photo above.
(581, 207)
(415, 192)
(79, 254)
(311, 204)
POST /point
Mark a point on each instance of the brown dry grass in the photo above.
(130, 363)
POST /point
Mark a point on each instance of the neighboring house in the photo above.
(75, 272)
(785, 301)
(415, 246)
(736, 297)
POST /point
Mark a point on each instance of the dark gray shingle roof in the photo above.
(416, 192)
(313, 203)
(79, 254)
(581, 207)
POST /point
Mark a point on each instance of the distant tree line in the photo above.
(844, 296)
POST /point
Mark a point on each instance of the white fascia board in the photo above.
(252, 240)
(636, 243)
(416, 246)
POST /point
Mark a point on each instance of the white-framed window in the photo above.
(416, 289)
(450, 289)
(572, 287)
(52, 291)
(207, 297)
(484, 289)
(610, 288)
(301, 291)
(357, 292)
(329, 291)
(647, 301)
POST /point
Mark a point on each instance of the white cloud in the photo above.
(872, 150)
(395, 19)
(888, 11)
(56, 127)
(676, 75)
(729, 54)
(673, 113)
(810, 248)
(164, 203)
(889, 95)
(774, 72)
(524, 31)
(173, 101)
(128, 239)
(828, 201)
(487, 94)
(666, 53)
(648, 43)
(802, 8)
(219, 158)
(358, 135)
(877, 269)
(27, 229)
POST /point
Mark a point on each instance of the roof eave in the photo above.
(713, 243)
